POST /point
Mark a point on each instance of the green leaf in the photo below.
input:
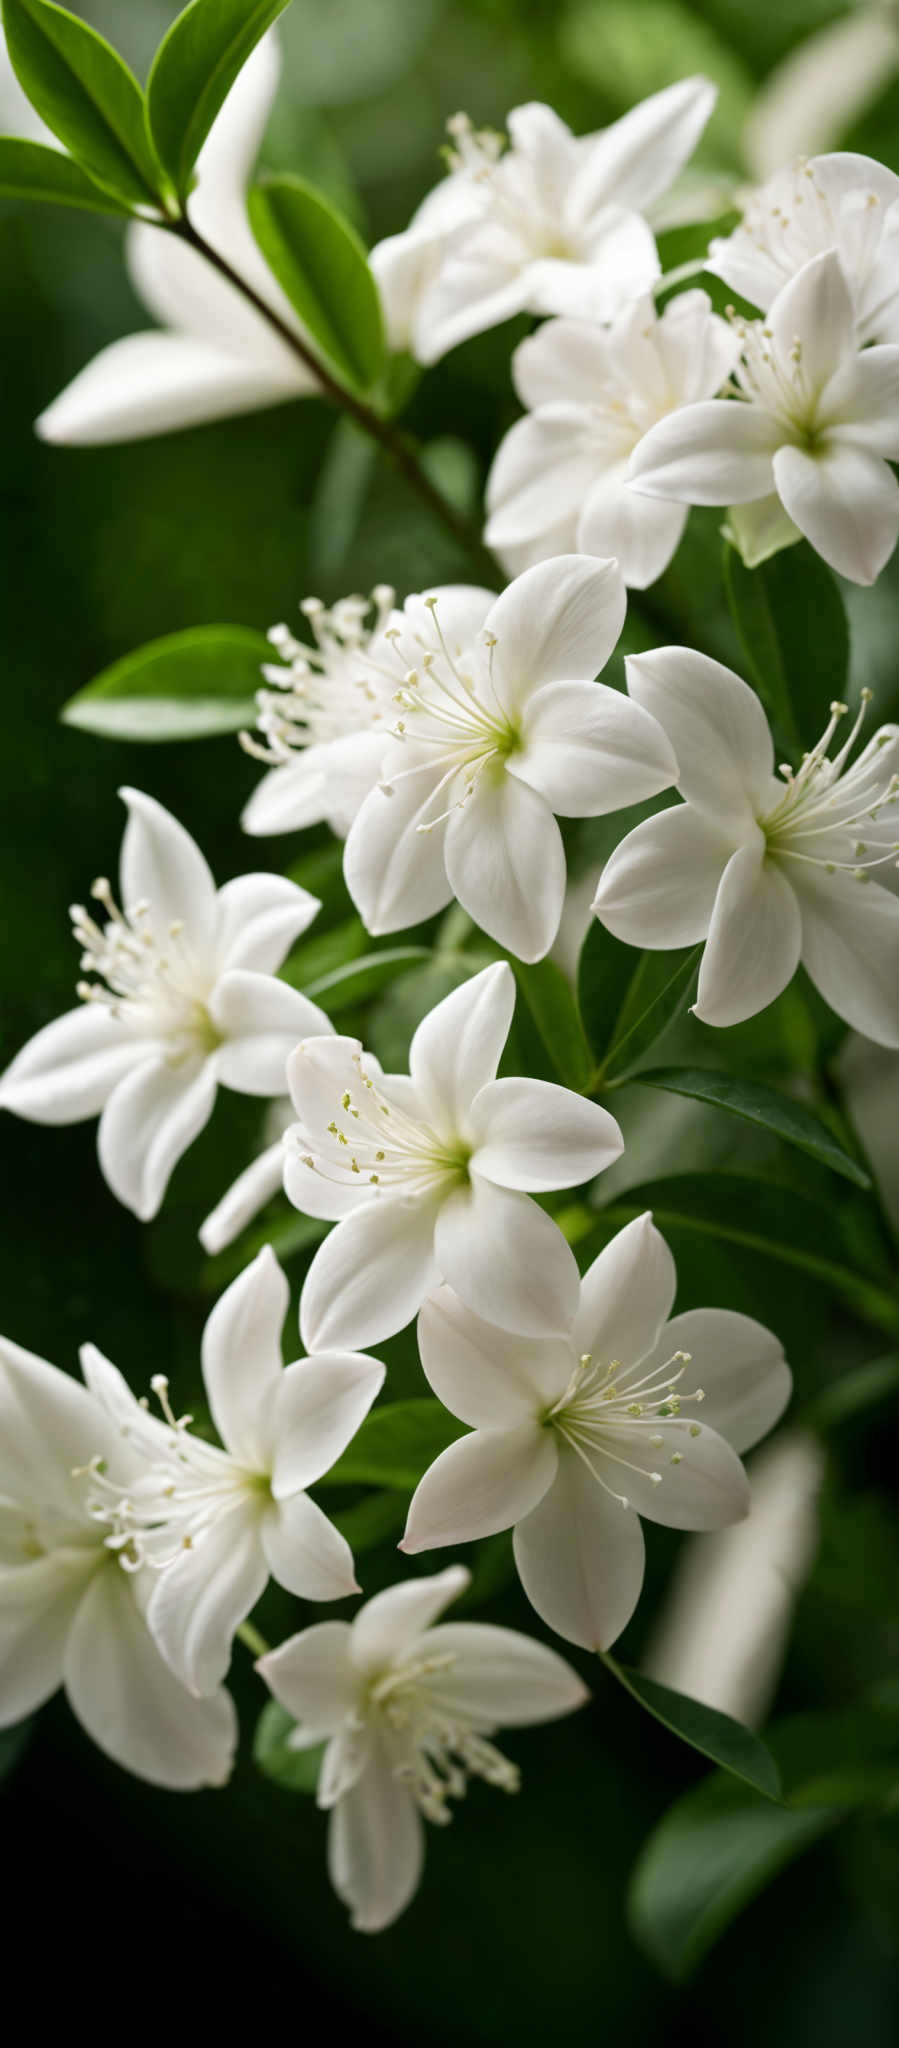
(295, 1770)
(554, 1010)
(321, 264)
(760, 1216)
(791, 621)
(86, 94)
(30, 170)
(193, 71)
(627, 999)
(395, 1446)
(377, 1519)
(354, 982)
(13, 1744)
(715, 1734)
(714, 1851)
(759, 1105)
(854, 1393)
(185, 686)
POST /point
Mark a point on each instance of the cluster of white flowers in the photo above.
(442, 740)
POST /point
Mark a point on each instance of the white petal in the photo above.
(199, 1601)
(483, 1483)
(761, 529)
(815, 309)
(370, 1276)
(739, 1365)
(140, 1433)
(477, 287)
(347, 1755)
(861, 403)
(565, 360)
(457, 1047)
(329, 780)
(38, 1603)
(261, 1021)
(619, 263)
(259, 918)
(242, 1365)
(155, 382)
(304, 1551)
(394, 872)
(507, 1259)
(505, 863)
(717, 452)
(754, 941)
(462, 610)
(68, 1070)
(538, 1136)
(50, 1426)
(580, 1559)
(312, 1678)
(388, 1626)
(162, 866)
(587, 750)
(132, 1705)
(642, 533)
(540, 476)
(376, 1847)
(245, 1197)
(846, 502)
(501, 1678)
(636, 159)
(706, 1489)
(716, 726)
(850, 949)
(486, 1376)
(149, 1121)
(559, 622)
(659, 887)
(319, 1406)
(626, 1295)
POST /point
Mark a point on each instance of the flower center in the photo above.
(828, 805)
(184, 1488)
(441, 1750)
(372, 1141)
(153, 987)
(780, 382)
(451, 703)
(335, 687)
(801, 223)
(603, 1405)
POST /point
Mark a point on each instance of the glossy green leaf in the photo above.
(716, 1735)
(751, 1100)
(791, 621)
(395, 1445)
(627, 998)
(86, 95)
(185, 686)
(295, 1770)
(552, 1005)
(193, 72)
(855, 1392)
(30, 170)
(343, 987)
(322, 266)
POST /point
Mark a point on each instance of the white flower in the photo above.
(213, 353)
(208, 1524)
(553, 225)
(576, 1436)
(427, 1173)
(845, 203)
(407, 1711)
(71, 1613)
(559, 480)
(185, 997)
(499, 725)
(326, 717)
(767, 869)
(814, 423)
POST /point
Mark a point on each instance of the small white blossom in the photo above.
(842, 202)
(427, 1174)
(210, 1524)
(408, 1712)
(813, 423)
(575, 1436)
(180, 993)
(498, 726)
(552, 224)
(769, 869)
(559, 480)
(72, 1611)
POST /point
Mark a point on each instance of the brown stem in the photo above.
(393, 443)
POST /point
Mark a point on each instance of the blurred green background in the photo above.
(520, 1926)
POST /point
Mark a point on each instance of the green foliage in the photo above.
(13, 1744)
(30, 170)
(193, 72)
(789, 1120)
(293, 1770)
(716, 1735)
(185, 686)
(86, 94)
(321, 264)
(395, 1445)
(792, 626)
(549, 999)
(627, 999)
